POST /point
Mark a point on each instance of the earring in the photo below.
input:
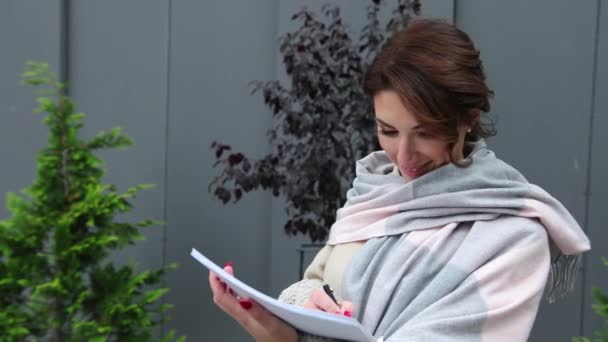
(469, 130)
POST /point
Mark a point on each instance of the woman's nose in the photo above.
(406, 149)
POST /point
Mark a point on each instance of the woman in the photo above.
(439, 240)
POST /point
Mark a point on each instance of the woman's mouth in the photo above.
(416, 171)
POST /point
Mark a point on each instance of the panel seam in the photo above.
(64, 43)
(166, 152)
(587, 193)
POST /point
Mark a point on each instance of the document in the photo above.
(313, 322)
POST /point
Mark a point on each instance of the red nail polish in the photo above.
(246, 304)
(347, 313)
(229, 263)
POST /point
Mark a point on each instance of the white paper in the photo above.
(313, 322)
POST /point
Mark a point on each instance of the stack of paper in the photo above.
(313, 322)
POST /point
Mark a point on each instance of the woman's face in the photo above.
(404, 140)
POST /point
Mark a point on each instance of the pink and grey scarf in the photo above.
(459, 254)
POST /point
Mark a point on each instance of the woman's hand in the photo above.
(257, 321)
(319, 300)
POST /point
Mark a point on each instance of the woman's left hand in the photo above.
(255, 319)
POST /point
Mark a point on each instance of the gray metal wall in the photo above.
(175, 75)
(540, 57)
(21, 133)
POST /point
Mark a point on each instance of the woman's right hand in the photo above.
(257, 321)
(319, 300)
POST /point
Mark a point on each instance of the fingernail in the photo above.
(246, 304)
(229, 263)
(347, 313)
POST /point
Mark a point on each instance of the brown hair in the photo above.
(436, 70)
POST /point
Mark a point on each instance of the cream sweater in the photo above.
(331, 261)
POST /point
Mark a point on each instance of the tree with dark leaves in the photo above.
(323, 121)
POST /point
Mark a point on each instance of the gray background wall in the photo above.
(175, 75)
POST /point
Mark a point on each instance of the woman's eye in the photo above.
(422, 134)
(387, 132)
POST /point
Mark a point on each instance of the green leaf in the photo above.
(154, 295)
(18, 331)
(148, 223)
(112, 139)
(23, 282)
(45, 104)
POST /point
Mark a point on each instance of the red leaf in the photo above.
(235, 159)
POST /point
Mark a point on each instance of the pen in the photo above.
(330, 293)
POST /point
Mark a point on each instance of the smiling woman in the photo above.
(429, 78)
(439, 240)
(406, 142)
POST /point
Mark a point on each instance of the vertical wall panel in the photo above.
(217, 48)
(118, 78)
(539, 59)
(597, 273)
(29, 30)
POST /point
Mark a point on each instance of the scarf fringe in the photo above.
(562, 275)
